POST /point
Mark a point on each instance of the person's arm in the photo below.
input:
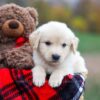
(70, 89)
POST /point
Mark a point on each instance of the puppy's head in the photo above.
(54, 41)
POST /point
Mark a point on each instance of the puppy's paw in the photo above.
(56, 79)
(39, 81)
(38, 76)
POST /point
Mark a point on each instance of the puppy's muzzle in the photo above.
(55, 57)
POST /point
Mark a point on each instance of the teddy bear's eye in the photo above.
(48, 43)
(64, 45)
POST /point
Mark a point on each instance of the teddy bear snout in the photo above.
(13, 28)
(13, 25)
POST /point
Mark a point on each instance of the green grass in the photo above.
(89, 43)
(92, 91)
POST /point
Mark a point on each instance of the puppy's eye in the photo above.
(64, 45)
(48, 43)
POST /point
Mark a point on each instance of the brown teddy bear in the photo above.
(16, 23)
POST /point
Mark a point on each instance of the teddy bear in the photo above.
(16, 23)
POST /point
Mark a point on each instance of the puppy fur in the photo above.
(55, 52)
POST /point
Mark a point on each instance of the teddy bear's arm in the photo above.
(19, 57)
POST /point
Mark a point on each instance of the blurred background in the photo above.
(83, 17)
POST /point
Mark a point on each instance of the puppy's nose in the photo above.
(55, 57)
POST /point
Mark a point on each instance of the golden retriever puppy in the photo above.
(55, 52)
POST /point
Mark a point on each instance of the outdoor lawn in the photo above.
(89, 42)
(92, 91)
(90, 48)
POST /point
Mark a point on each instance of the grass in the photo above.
(92, 91)
(89, 43)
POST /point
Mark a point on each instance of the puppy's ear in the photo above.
(34, 39)
(74, 44)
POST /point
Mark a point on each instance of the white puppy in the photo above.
(55, 52)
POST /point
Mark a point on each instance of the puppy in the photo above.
(55, 52)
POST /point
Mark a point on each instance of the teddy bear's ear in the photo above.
(34, 14)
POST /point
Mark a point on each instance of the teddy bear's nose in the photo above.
(13, 25)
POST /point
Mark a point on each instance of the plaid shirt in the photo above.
(17, 85)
